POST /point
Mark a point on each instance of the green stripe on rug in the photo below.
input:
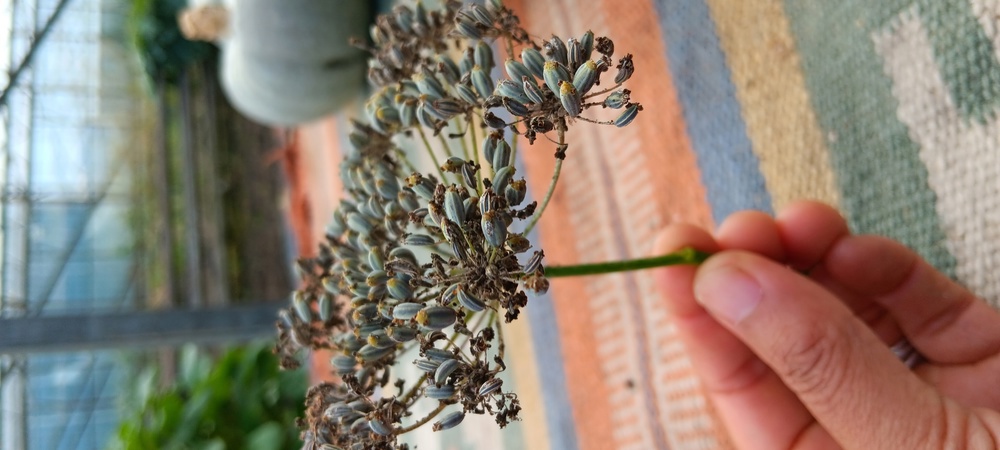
(965, 55)
(882, 180)
(963, 50)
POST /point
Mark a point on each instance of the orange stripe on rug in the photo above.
(651, 159)
(318, 158)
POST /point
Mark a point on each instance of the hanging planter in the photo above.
(285, 63)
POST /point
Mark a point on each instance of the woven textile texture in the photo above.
(887, 110)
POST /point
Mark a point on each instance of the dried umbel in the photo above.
(427, 263)
(549, 88)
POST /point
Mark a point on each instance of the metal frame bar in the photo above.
(137, 329)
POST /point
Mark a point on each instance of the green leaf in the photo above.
(268, 436)
(214, 444)
(192, 417)
(192, 366)
(226, 404)
(292, 383)
(145, 386)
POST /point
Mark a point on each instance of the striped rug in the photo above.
(886, 110)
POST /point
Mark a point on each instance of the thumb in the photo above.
(847, 378)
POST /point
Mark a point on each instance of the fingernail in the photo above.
(728, 292)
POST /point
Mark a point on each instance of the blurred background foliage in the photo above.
(165, 52)
(237, 400)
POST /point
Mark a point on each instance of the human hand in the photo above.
(803, 361)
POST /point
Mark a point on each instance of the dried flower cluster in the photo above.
(427, 261)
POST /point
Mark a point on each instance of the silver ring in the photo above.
(907, 354)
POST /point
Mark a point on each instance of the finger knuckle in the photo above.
(815, 362)
(987, 429)
(955, 427)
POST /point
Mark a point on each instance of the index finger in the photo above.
(753, 403)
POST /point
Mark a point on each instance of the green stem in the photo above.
(452, 341)
(430, 151)
(599, 122)
(422, 421)
(413, 390)
(465, 150)
(552, 187)
(510, 48)
(500, 341)
(686, 255)
(405, 160)
(513, 137)
(604, 91)
(454, 337)
(475, 153)
(446, 145)
(475, 144)
(465, 147)
(513, 148)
